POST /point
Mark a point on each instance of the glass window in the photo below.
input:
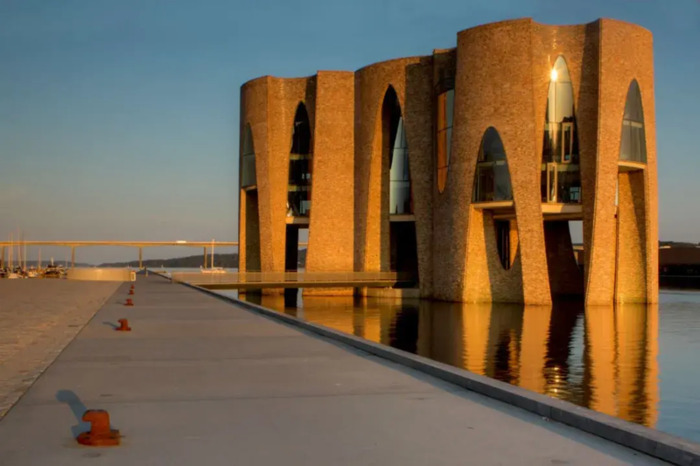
(633, 146)
(300, 164)
(561, 176)
(445, 114)
(247, 159)
(492, 178)
(399, 174)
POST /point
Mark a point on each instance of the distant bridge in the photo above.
(72, 244)
(258, 280)
(131, 244)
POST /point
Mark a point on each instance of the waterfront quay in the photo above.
(38, 318)
(200, 380)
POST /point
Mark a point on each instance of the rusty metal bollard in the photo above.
(128, 302)
(123, 326)
(100, 433)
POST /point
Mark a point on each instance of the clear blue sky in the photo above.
(119, 119)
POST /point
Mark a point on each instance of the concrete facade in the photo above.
(517, 250)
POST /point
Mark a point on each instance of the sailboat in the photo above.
(212, 269)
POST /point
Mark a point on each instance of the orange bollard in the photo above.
(128, 302)
(123, 326)
(100, 433)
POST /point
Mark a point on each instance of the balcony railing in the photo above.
(291, 279)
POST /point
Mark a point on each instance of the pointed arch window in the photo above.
(300, 158)
(561, 175)
(247, 159)
(492, 178)
(445, 114)
(633, 147)
(395, 148)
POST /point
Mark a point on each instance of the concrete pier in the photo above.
(38, 318)
(200, 381)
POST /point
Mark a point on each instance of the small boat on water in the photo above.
(212, 270)
(53, 271)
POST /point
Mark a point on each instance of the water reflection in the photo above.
(604, 358)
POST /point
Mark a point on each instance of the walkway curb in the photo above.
(651, 442)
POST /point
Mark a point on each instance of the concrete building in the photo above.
(464, 168)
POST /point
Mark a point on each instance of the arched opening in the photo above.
(298, 192)
(249, 203)
(565, 274)
(395, 145)
(561, 184)
(561, 175)
(492, 189)
(403, 256)
(631, 202)
(299, 189)
(492, 178)
(633, 147)
(247, 168)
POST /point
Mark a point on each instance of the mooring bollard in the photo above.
(128, 302)
(100, 433)
(123, 326)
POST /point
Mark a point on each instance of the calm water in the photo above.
(635, 362)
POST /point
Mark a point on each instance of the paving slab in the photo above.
(201, 381)
(38, 318)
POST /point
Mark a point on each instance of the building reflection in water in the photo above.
(604, 358)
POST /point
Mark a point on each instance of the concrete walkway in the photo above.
(201, 382)
(38, 318)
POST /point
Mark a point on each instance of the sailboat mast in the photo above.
(19, 249)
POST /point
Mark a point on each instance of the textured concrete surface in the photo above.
(38, 318)
(199, 381)
(649, 441)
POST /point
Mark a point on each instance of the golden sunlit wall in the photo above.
(567, 116)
